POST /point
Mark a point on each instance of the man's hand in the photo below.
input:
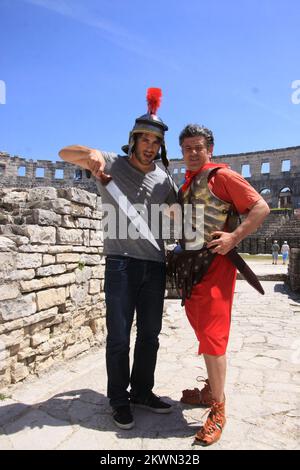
(87, 158)
(96, 164)
(222, 243)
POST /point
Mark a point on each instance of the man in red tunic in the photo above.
(209, 307)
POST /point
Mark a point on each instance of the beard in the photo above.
(143, 159)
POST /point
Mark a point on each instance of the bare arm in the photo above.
(254, 219)
(85, 157)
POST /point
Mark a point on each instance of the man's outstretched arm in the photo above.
(85, 157)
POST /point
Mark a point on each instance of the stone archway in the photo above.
(266, 193)
(285, 198)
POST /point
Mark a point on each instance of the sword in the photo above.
(245, 270)
(129, 210)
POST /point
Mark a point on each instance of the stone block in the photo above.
(42, 194)
(43, 364)
(7, 265)
(98, 271)
(6, 219)
(4, 357)
(83, 223)
(85, 332)
(94, 286)
(80, 211)
(5, 378)
(90, 259)
(26, 353)
(79, 196)
(85, 249)
(61, 328)
(8, 326)
(28, 260)
(47, 282)
(83, 274)
(6, 244)
(48, 259)
(13, 338)
(37, 234)
(18, 372)
(97, 326)
(34, 248)
(50, 297)
(21, 275)
(42, 325)
(68, 221)
(49, 346)
(71, 337)
(96, 238)
(9, 291)
(40, 337)
(78, 294)
(51, 270)
(58, 249)
(75, 350)
(43, 316)
(69, 236)
(44, 217)
(97, 215)
(18, 308)
(60, 206)
(67, 258)
(86, 237)
(14, 198)
(71, 266)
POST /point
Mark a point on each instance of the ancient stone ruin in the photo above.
(51, 278)
(51, 270)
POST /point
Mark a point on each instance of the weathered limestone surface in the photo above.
(51, 279)
(67, 407)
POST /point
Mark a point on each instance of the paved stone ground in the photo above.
(66, 408)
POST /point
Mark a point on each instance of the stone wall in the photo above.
(294, 269)
(51, 278)
(277, 178)
(20, 172)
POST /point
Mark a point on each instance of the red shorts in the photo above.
(209, 308)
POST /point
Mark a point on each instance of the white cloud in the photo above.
(111, 31)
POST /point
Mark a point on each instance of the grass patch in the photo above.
(4, 397)
(81, 265)
(278, 209)
(248, 257)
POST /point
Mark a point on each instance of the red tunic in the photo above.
(209, 308)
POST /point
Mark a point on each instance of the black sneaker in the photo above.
(152, 403)
(122, 417)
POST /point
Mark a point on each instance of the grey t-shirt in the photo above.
(149, 191)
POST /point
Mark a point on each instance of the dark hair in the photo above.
(194, 130)
(138, 135)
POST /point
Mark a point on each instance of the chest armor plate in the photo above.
(203, 212)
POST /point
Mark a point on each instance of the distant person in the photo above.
(275, 250)
(285, 250)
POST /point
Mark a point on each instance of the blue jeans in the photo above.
(132, 285)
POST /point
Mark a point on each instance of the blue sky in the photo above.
(76, 71)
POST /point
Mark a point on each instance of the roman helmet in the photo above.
(150, 123)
